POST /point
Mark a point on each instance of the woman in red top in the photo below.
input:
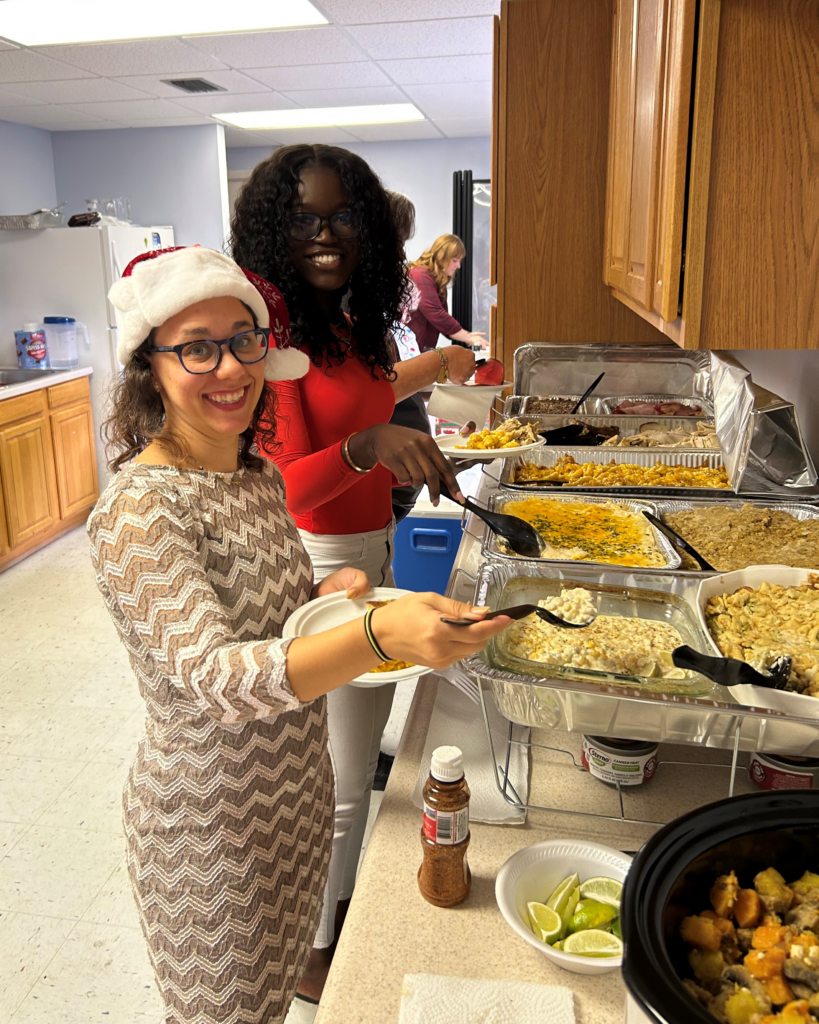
(430, 274)
(317, 221)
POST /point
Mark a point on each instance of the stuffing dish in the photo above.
(754, 952)
(510, 434)
(759, 625)
(612, 643)
(394, 665)
(537, 405)
(656, 435)
(622, 474)
(596, 532)
(734, 538)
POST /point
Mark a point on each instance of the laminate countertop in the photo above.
(44, 379)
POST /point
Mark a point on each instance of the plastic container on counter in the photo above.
(61, 340)
(32, 351)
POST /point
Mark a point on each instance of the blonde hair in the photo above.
(436, 260)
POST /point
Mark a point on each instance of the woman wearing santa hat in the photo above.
(228, 804)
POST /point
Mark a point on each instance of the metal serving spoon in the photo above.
(520, 611)
(732, 671)
(679, 542)
(521, 537)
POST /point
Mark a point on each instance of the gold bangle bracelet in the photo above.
(345, 454)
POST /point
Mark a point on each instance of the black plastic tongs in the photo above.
(732, 671)
(521, 537)
(679, 542)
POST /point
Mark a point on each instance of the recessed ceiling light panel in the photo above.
(58, 22)
(322, 117)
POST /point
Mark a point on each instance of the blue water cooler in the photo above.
(426, 543)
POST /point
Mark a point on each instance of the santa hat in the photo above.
(157, 285)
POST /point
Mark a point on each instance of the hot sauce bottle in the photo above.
(444, 877)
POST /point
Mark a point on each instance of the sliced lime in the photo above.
(604, 890)
(562, 894)
(615, 928)
(544, 922)
(593, 943)
(593, 915)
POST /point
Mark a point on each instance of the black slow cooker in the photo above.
(671, 876)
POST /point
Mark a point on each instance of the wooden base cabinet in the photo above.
(48, 470)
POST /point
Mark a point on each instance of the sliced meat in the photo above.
(805, 917)
(742, 976)
(797, 970)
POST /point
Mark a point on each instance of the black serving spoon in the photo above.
(521, 537)
(520, 611)
(588, 391)
(732, 671)
(679, 542)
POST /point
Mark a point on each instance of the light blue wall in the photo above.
(172, 175)
(420, 169)
(26, 169)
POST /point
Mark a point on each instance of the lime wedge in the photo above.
(593, 915)
(562, 894)
(604, 890)
(569, 911)
(593, 943)
(615, 928)
(544, 922)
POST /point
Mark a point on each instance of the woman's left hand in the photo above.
(354, 581)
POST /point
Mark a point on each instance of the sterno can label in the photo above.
(771, 772)
(619, 761)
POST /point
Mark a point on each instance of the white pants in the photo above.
(356, 718)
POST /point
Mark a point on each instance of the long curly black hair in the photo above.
(259, 242)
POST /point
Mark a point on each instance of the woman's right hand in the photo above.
(412, 457)
(410, 629)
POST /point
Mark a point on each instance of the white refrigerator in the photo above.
(67, 272)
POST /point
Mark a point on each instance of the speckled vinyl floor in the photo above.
(71, 949)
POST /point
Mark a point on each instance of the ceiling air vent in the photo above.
(193, 85)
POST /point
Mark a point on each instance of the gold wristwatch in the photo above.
(443, 373)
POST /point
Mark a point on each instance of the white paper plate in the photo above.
(448, 442)
(753, 576)
(334, 610)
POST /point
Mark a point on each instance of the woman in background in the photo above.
(431, 274)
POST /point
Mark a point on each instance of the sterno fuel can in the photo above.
(629, 762)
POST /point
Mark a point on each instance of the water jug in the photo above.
(61, 341)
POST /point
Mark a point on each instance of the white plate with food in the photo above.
(782, 623)
(336, 609)
(510, 438)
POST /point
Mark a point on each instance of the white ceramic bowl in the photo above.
(334, 610)
(753, 576)
(533, 873)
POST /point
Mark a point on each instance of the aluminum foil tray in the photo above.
(547, 456)
(544, 367)
(630, 712)
(603, 405)
(498, 500)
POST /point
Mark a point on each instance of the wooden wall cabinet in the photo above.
(48, 470)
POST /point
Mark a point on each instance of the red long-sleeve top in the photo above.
(431, 317)
(314, 415)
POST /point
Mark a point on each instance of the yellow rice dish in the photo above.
(612, 643)
(757, 626)
(595, 474)
(590, 531)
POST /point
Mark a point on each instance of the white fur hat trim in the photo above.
(159, 288)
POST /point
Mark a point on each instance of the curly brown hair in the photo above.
(259, 242)
(138, 418)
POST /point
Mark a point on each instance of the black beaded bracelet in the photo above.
(368, 629)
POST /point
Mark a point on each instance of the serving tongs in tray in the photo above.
(731, 671)
(679, 541)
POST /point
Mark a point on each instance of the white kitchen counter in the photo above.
(47, 380)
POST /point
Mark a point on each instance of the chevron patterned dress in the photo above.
(229, 803)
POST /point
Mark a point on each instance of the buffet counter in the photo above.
(392, 931)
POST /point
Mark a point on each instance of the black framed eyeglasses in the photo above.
(304, 227)
(204, 355)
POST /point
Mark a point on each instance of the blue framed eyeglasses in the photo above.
(204, 355)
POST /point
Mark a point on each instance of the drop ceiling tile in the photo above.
(280, 49)
(8, 46)
(85, 126)
(347, 97)
(81, 90)
(28, 66)
(455, 127)
(361, 12)
(238, 137)
(436, 70)
(461, 99)
(291, 136)
(136, 57)
(233, 81)
(44, 116)
(350, 75)
(395, 132)
(444, 38)
(133, 110)
(169, 122)
(13, 98)
(229, 102)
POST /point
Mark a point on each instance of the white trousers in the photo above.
(356, 719)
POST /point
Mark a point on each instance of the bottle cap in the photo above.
(447, 764)
(31, 327)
